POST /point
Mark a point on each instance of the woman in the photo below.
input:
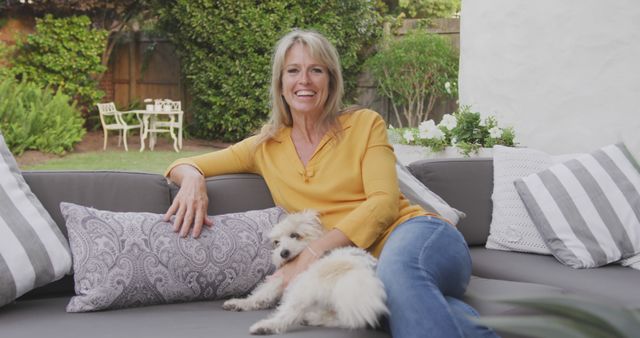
(313, 155)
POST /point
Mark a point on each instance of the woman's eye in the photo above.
(317, 70)
(295, 236)
(292, 71)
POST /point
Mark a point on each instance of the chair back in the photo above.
(108, 109)
(175, 105)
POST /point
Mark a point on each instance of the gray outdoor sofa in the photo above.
(465, 183)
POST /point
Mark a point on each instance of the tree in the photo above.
(413, 71)
(116, 17)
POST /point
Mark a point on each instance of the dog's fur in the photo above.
(338, 290)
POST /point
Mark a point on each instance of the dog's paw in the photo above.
(234, 305)
(262, 328)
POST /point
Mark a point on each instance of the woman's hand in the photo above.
(295, 267)
(190, 204)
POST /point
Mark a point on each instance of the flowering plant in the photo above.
(464, 129)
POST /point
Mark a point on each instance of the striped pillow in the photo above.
(587, 209)
(418, 193)
(33, 251)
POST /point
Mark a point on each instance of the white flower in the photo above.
(447, 87)
(454, 141)
(449, 121)
(426, 125)
(495, 132)
(428, 130)
(390, 126)
(408, 136)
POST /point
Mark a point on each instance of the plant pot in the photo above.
(410, 153)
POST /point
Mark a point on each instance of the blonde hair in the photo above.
(323, 51)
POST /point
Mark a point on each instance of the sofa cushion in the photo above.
(511, 227)
(611, 283)
(416, 192)
(116, 191)
(453, 180)
(33, 251)
(136, 259)
(587, 209)
(204, 319)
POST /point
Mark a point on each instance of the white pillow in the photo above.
(511, 227)
(587, 209)
(33, 251)
(418, 193)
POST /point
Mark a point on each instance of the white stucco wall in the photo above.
(564, 73)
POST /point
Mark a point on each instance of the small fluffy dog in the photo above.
(338, 290)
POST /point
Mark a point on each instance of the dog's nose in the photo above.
(285, 254)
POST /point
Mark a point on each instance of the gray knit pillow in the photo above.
(127, 259)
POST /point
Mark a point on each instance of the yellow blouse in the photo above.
(351, 181)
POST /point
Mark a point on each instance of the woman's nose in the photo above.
(304, 78)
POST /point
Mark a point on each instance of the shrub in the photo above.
(413, 72)
(35, 118)
(63, 53)
(225, 48)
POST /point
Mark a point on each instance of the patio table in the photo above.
(153, 125)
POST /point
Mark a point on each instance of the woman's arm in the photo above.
(364, 224)
(191, 203)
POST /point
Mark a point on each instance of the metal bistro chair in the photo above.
(169, 120)
(108, 110)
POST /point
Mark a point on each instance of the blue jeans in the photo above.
(425, 267)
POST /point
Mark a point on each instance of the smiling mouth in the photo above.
(305, 93)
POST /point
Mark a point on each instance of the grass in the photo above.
(148, 161)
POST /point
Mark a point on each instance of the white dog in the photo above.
(338, 290)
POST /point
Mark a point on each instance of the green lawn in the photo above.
(148, 161)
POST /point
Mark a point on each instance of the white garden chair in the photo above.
(167, 120)
(109, 112)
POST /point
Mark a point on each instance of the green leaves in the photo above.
(38, 119)
(564, 316)
(413, 71)
(64, 53)
(225, 48)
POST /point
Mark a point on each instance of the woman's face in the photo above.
(305, 82)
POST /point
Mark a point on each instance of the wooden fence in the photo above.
(143, 68)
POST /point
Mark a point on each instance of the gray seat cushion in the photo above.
(46, 317)
(611, 283)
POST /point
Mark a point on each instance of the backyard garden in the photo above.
(52, 73)
(60, 59)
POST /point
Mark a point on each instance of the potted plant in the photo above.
(566, 316)
(462, 133)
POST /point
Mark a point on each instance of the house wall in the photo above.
(564, 74)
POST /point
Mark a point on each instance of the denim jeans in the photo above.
(425, 267)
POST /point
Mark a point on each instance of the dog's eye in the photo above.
(275, 243)
(295, 236)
